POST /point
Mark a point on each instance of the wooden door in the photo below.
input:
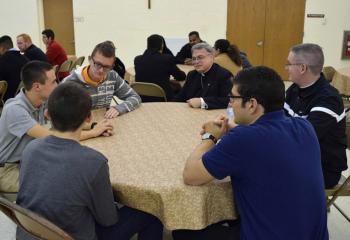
(284, 28)
(282, 23)
(58, 16)
(246, 27)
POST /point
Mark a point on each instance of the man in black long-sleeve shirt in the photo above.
(185, 54)
(209, 84)
(155, 67)
(30, 51)
(312, 97)
(11, 62)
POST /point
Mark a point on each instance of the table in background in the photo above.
(130, 72)
(341, 81)
(146, 157)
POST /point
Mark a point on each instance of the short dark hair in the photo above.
(224, 46)
(68, 106)
(155, 42)
(106, 48)
(49, 33)
(6, 42)
(194, 33)
(263, 84)
(34, 71)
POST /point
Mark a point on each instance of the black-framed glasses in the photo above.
(99, 66)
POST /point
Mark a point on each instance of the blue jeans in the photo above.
(132, 221)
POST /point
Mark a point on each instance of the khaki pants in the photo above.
(9, 177)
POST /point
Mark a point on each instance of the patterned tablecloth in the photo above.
(341, 81)
(147, 155)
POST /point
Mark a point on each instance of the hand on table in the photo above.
(111, 113)
(103, 128)
(194, 102)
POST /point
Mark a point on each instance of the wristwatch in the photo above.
(207, 136)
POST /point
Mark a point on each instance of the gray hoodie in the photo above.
(102, 95)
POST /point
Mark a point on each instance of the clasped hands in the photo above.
(218, 127)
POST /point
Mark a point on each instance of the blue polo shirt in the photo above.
(276, 177)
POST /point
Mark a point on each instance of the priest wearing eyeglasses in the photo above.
(207, 86)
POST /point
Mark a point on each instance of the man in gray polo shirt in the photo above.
(22, 117)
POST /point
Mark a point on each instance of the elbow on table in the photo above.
(190, 179)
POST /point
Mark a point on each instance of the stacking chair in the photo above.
(64, 67)
(343, 187)
(20, 85)
(3, 89)
(78, 62)
(35, 225)
(149, 89)
(328, 72)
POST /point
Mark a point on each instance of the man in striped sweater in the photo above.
(103, 83)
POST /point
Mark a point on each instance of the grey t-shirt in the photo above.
(68, 184)
(17, 117)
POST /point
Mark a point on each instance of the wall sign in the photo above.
(346, 46)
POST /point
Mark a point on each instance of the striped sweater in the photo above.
(102, 95)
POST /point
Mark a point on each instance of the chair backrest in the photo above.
(3, 89)
(65, 66)
(78, 62)
(328, 72)
(149, 89)
(32, 223)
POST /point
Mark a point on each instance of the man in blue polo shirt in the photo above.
(273, 161)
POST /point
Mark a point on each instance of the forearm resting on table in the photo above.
(194, 172)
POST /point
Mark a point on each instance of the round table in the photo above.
(146, 157)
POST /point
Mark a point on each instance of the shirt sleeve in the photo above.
(327, 112)
(18, 120)
(131, 99)
(224, 159)
(103, 208)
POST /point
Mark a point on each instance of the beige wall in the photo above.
(328, 32)
(129, 22)
(21, 16)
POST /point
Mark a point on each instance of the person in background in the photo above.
(273, 162)
(227, 56)
(185, 54)
(207, 86)
(154, 67)
(23, 116)
(119, 66)
(54, 51)
(11, 62)
(103, 83)
(32, 52)
(313, 98)
(77, 194)
(166, 50)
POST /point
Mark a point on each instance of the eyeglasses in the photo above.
(199, 58)
(293, 64)
(99, 66)
(232, 97)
